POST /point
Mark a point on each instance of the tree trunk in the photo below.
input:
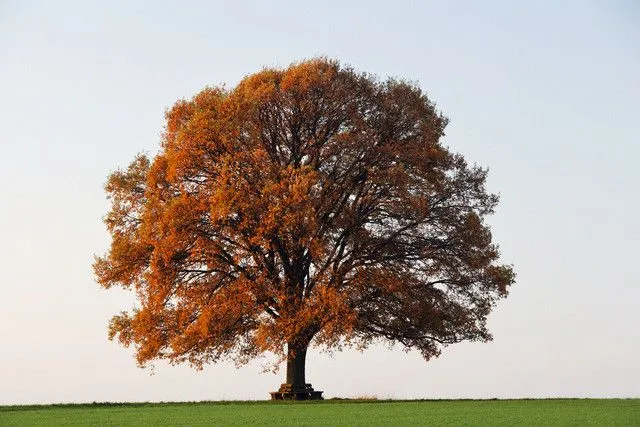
(296, 387)
(296, 359)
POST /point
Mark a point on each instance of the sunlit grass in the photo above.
(576, 412)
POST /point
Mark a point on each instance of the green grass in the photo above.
(577, 412)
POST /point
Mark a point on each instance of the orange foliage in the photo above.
(308, 204)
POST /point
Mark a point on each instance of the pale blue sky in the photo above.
(546, 94)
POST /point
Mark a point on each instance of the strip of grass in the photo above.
(576, 412)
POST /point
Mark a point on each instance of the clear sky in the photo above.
(546, 94)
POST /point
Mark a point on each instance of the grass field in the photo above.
(577, 412)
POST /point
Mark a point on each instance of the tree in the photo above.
(313, 203)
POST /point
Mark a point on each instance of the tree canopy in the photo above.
(307, 204)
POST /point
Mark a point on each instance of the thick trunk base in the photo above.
(296, 387)
(299, 392)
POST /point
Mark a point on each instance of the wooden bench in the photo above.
(288, 392)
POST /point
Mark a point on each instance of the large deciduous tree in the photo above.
(310, 204)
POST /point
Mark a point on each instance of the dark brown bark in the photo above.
(296, 360)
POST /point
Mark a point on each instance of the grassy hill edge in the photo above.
(95, 405)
